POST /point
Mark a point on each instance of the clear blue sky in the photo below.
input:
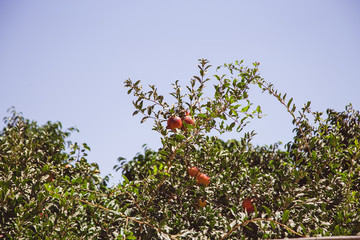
(67, 60)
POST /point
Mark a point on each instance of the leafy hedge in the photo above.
(310, 187)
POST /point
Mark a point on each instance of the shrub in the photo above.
(308, 188)
(40, 182)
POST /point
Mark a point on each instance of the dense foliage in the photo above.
(234, 189)
(309, 189)
(296, 192)
(41, 191)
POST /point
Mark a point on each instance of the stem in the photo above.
(267, 87)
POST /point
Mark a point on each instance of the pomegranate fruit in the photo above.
(248, 206)
(188, 120)
(193, 171)
(174, 123)
(202, 203)
(203, 179)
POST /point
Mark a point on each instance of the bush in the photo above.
(39, 185)
(308, 188)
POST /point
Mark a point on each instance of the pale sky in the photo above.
(67, 60)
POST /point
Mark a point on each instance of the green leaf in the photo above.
(337, 230)
(245, 109)
(86, 146)
(201, 115)
(149, 110)
(268, 211)
(289, 103)
(285, 216)
(272, 225)
(144, 119)
(231, 126)
(131, 237)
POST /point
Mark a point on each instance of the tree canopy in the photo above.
(196, 186)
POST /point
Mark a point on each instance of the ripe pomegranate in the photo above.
(193, 171)
(202, 178)
(174, 123)
(188, 120)
(202, 203)
(248, 206)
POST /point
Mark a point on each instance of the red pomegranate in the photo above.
(193, 171)
(174, 123)
(248, 206)
(203, 179)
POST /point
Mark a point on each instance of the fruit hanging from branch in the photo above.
(193, 171)
(174, 123)
(248, 205)
(202, 203)
(203, 179)
(188, 120)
